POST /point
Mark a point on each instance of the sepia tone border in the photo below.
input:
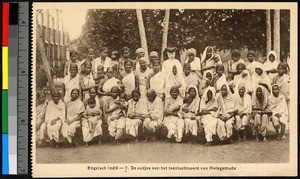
(203, 169)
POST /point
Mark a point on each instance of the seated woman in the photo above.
(209, 112)
(227, 104)
(74, 110)
(205, 82)
(105, 89)
(40, 118)
(277, 104)
(219, 79)
(260, 112)
(136, 113)
(129, 79)
(115, 115)
(55, 116)
(175, 79)
(155, 115)
(242, 76)
(91, 122)
(244, 109)
(189, 111)
(172, 121)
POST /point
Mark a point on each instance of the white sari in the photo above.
(129, 83)
(70, 84)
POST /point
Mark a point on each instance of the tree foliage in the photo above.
(224, 29)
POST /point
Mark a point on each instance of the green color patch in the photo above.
(4, 111)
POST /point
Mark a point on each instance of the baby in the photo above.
(92, 114)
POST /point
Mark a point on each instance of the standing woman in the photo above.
(283, 81)
(70, 82)
(242, 76)
(259, 106)
(209, 113)
(75, 109)
(129, 79)
(102, 60)
(142, 73)
(278, 106)
(175, 79)
(271, 64)
(205, 82)
(156, 81)
(209, 59)
(155, 109)
(55, 116)
(172, 121)
(244, 109)
(195, 62)
(136, 113)
(227, 104)
(125, 53)
(189, 111)
(86, 80)
(40, 117)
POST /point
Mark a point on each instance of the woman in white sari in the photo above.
(104, 92)
(175, 79)
(259, 77)
(154, 119)
(172, 121)
(209, 113)
(70, 82)
(142, 74)
(277, 104)
(55, 116)
(74, 108)
(195, 62)
(136, 113)
(189, 111)
(244, 109)
(40, 118)
(207, 59)
(259, 112)
(219, 79)
(242, 76)
(227, 104)
(129, 80)
(205, 82)
(271, 64)
(86, 80)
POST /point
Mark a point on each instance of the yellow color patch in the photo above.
(5, 68)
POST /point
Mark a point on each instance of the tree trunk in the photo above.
(165, 33)
(41, 49)
(277, 33)
(142, 31)
(268, 30)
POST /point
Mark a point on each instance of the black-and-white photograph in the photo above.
(161, 85)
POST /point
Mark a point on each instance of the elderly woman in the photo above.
(209, 113)
(259, 110)
(40, 118)
(155, 115)
(86, 80)
(190, 79)
(227, 104)
(136, 113)
(172, 121)
(70, 82)
(142, 73)
(175, 79)
(242, 76)
(75, 109)
(205, 82)
(271, 64)
(219, 79)
(189, 111)
(244, 109)
(259, 77)
(156, 81)
(55, 116)
(194, 62)
(129, 79)
(277, 104)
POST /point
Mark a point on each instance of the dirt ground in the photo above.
(162, 151)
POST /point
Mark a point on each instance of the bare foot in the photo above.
(86, 145)
(283, 137)
(265, 139)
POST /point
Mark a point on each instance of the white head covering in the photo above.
(203, 57)
(192, 50)
(139, 50)
(271, 65)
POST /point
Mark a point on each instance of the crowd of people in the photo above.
(138, 97)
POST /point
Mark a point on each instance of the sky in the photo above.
(74, 19)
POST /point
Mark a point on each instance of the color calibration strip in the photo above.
(5, 31)
(9, 87)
